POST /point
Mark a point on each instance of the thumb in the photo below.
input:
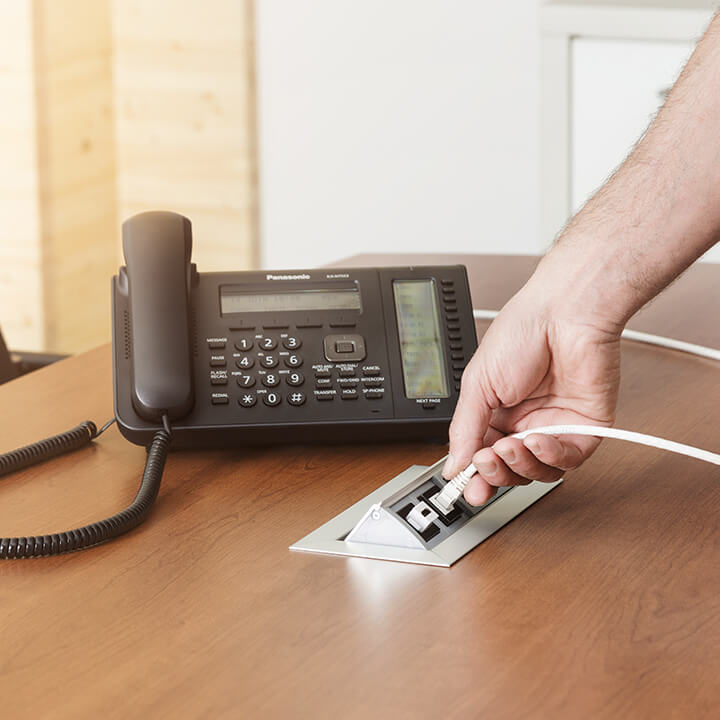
(469, 424)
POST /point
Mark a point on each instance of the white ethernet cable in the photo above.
(637, 336)
(448, 496)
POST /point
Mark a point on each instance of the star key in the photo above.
(247, 399)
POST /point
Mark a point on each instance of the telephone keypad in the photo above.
(245, 362)
(246, 381)
(270, 380)
(294, 379)
(292, 343)
(293, 361)
(268, 343)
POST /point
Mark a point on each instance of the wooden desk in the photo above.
(603, 600)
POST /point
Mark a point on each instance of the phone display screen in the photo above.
(236, 301)
(421, 348)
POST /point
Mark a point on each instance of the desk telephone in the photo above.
(232, 358)
(292, 356)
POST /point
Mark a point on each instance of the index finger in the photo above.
(469, 424)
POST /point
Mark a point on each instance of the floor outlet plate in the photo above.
(383, 525)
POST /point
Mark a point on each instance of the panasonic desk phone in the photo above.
(241, 358)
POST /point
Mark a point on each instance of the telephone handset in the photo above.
(156, 280)
(332, 355)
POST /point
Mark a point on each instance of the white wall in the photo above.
(396, 125)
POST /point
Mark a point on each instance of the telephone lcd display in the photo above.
(421, 348)
(236, 301)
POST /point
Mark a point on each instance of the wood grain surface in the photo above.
(602, 600)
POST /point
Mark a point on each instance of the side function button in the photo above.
(325, 396)
(219, 399)
(217, 361)
(267, 343)
(374, 394)
(296, 398)
(245, 362)
(447, 283)
(348, 393)
(244, 344)
(322, 373)
(218, 377)
(271, 399)
(373, 383)
(270, 380)
(247, 399)
(216, 343)
(291, 342)
(346, 372)
(323, 382)
(371, 371)
(294, 379)
(246, 381)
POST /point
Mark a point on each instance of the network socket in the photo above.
(399, 521)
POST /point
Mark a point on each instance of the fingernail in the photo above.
(507, 455)
(448, 467)
(487, 468)
(532, 445)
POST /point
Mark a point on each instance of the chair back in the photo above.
(7, 369)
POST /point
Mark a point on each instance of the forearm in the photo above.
(658, 213)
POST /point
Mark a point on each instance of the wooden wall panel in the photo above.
(185, 106)
(21, 297)
(76, 164)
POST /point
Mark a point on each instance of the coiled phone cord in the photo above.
(97, 532)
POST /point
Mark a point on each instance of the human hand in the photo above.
(542, 362)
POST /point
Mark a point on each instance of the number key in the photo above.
(294, 379)
(270, 380)
(244, 344)
(269, 361)
(268, 343)
(245, 362)
(292, 343)
(246, 381)
(293, 361)
(272, 399)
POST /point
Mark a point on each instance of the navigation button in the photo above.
(344, 346)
